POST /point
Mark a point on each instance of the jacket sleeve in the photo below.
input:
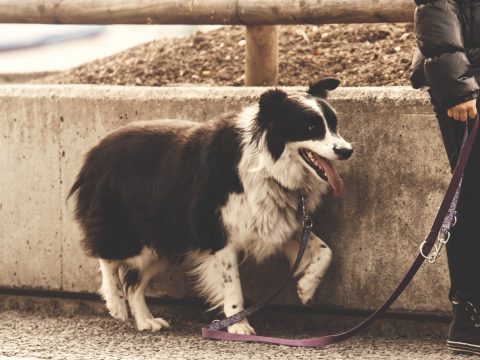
(439, 37)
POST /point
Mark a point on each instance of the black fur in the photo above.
(130, 279)
(330, 116)
(125, 202)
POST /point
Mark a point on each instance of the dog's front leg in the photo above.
(227, 262)
(313, 267)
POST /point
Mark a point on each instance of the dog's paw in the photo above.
(152, 324)
(118, 308)
(242, 327)
(306, 288)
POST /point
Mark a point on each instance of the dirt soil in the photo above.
(358, 54)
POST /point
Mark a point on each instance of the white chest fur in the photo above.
(258, 222)
(265, 216)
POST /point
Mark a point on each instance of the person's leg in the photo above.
(464, 244)
(464, 248)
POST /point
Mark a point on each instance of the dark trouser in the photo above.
(463, 249)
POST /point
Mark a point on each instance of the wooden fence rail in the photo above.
(225, 12)
(260, 16)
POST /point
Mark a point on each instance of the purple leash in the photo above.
(444, 221)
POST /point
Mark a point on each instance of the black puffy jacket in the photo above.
(448, 55)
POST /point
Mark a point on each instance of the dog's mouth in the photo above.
(324, 169)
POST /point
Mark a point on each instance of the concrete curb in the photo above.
(394, 184)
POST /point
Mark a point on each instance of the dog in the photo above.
(156, 193)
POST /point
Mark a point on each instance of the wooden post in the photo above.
(261, 60)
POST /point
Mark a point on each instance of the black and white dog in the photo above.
(154, 193)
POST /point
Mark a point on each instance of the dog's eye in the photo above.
(311, 127)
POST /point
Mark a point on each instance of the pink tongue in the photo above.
(333, 178)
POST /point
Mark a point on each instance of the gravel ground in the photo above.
(91, 337)
(358, 54)
(32, 332)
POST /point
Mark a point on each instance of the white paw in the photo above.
(152, 324)
(117, 308)
(306, 288)
(242, 327)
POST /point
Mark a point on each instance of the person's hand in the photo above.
(464, 111)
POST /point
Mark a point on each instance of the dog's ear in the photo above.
(271, 108)
(322, 87)
(271, 102)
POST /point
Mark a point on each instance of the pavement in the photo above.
(71, 329)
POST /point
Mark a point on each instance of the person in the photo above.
(447, 61)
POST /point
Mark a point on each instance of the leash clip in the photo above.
(307, 222)
(443, 238)
(215, 324)
(307, 219)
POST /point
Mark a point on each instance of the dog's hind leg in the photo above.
(219, 282)
(313, 267)
(111, 289)
(135, 283)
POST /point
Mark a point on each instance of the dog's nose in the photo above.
(343, 153)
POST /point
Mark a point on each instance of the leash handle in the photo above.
(449, 202)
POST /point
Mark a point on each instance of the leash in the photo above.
(444, 221)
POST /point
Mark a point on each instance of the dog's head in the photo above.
(303, 128)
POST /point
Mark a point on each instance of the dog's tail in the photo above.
(83, 189)
(79, 182)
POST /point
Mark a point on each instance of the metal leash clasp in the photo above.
(307, 219)
(442, 238)
(215, 324)
(307, 222)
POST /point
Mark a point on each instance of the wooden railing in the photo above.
(259, 16)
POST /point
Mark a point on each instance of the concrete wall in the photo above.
(394, 184)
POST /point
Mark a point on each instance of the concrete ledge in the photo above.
(394, 184)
